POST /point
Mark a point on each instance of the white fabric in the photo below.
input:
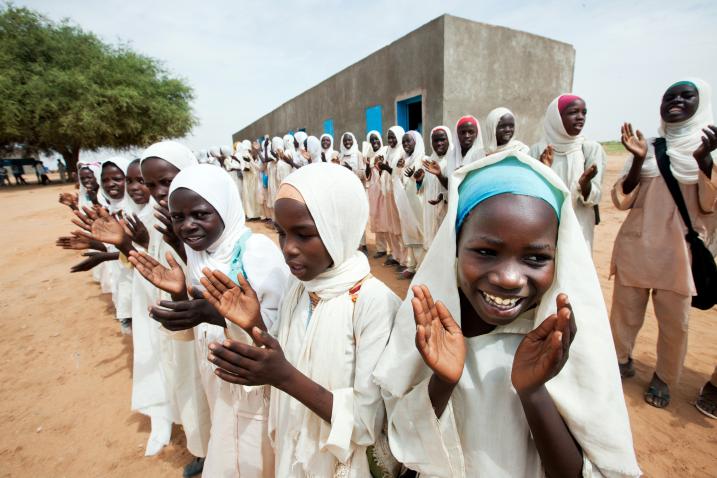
(329, 153)
(572, 155)
(406, 195)
(457, 159)
(114, 205)
(491, 124)
(313, 146)
(587, 392)
(339, 346)
(683, 139)
(173, 152)
(83, 200)
(431, 189)
(350, 157)
(283, 169)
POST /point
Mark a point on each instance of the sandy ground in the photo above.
(66, 370)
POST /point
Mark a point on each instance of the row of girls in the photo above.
(294, 361)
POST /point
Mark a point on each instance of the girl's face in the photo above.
(506, 256)
(158, 175)
(439, 142)
(573, 117)
(391, 139)
(375, 142)
(505, 129)
(348, 141)
(88, 180)
(194, 220)
(112, 181)
(408, 143)
(467, 134)
(303, 249)
(135, 184)
(325, 142)
(679, 103)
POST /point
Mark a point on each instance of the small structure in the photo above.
(446, 68)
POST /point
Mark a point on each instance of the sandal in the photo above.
(194, 468)
(707, 400)
(656, 395)
(627, 370)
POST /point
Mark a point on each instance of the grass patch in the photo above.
(613, 147)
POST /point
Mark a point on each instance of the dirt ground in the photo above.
(66, 370)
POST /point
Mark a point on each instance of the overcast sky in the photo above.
(244, 58)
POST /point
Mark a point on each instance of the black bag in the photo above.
(704, 270)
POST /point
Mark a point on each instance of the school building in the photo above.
(447, 68)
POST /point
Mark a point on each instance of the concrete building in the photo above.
(435, 74)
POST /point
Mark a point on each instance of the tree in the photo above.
(62, 89)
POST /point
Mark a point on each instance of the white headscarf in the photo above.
(300, 137)
(276, 144)
(562, 142)
(587, 391)
(217, 188)
(313, 146)
(83, 197)
(114, 205)
(457, 160)
(491, 124)
(173, 152)
(328, 190)
(393, 155)
(415, 160)
(370, 154)
(349, 156)
(328, 152)
(288, 144)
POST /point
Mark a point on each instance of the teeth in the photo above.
(504, 302)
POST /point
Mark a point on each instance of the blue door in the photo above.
(329, 127)
(373, 119)
(409, 113)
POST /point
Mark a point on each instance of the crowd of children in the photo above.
(295, 361)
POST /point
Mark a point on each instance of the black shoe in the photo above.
(379, 254)
(194, 468)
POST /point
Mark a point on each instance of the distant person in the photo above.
(434, 194)
(395, 159)
(17, 172)
(500, 131)
(378, 217)
(468, 145)
(4, 176)
(651, 257)
(42, 171)
(62, 169)
(405, 191)
(350, 157)
(328, 153)
(579, 162)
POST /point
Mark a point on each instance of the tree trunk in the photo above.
(71, 156)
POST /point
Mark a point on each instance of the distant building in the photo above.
(431, 76)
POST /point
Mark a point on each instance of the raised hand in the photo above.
(245, 364)
(439, 338)
(634, 142)
(709, 144)
(105, 228)
(585, 180)
(68, 199)
(184, 314)
(84, 219)
(162, 214)
(437, 201)
(546, 157)
(136, 230)
(409, 172)
(542, 353)
(401, 162)
(93, 259)
(74, 242)
(432, 167)
(169, 280)
(418, 175)
(237, 303)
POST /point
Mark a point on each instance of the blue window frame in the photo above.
(329, 127)
(409, 113)
(374, 119)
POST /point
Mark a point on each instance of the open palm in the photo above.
(634, 142)
(237, 303)
(439, 338)
(170, 280)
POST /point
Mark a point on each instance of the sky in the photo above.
(245, 58)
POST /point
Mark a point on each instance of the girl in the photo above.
(580, 163)
(351, 158)
(394, 159)
(299, 154)
(479, 383)
(327, 148)
(250, 181)
(651, 255)
(233, 165)
(313, 147)
(500, 128)
(333, 324)
(271, 156)
(286, 159)
(469, 146)
(405, 191)
(207, 216)
(434, 194)
(378, 211)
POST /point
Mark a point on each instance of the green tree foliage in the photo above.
(62, 89)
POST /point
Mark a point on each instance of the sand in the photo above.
(66, 370)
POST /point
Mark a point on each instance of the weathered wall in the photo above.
(410, 65)
(488, 66)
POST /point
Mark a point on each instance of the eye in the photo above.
(176, 217)
(538, 259)
(483, 252)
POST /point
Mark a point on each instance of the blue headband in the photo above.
(509, 176)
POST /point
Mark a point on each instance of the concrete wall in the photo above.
(488, 66)
(410, 65)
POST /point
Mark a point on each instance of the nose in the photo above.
(289, 249)
(508, 277)
(188, 226)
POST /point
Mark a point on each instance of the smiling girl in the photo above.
(510, 371)
(500, 129)
(334, 322)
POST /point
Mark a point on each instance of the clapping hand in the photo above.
(237, 303)
(170, 280)
(546, 157)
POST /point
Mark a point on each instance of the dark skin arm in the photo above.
(248, 365)
(636, 144)
(94, 259)
(185, 314)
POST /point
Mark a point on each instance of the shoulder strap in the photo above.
(663, 163)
